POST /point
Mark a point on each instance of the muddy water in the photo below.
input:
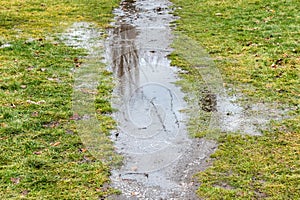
(159, 157)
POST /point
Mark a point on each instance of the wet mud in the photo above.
(159, 157)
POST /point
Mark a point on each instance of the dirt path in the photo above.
(160, 158)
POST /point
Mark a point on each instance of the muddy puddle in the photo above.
(159, 157)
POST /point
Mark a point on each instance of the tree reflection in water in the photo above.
(123, 53)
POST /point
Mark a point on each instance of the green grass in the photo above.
(36, 18)
(255, 45)
(42, 155)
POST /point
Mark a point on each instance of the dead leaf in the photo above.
(3, 125)
(15, 180)
(274, 66)
(269, 85)
(30, 68)
(87, 91)
(41, 102)
(285, 55)
(53, 79)
(31, 102)
(55, 144)
(75, 117)
(51, 125)
(36, 103)
(37, 153)
(35, 114)
(24, 192)
(83, 150)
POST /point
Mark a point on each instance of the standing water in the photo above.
(159, 157)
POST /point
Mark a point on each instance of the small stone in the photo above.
(134, 193)
(134, 168)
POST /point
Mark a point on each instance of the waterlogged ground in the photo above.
(159, 157)
(253, 113)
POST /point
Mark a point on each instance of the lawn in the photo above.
(255, 46)
(42, 155)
